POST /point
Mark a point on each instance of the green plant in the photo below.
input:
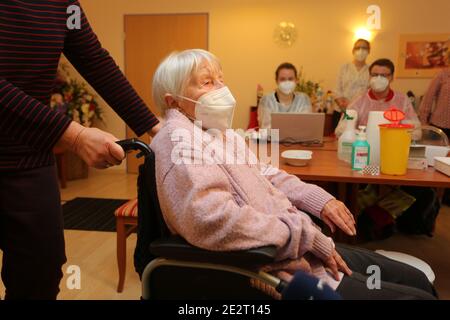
(308, 87)
(312, 89)
(320, 100)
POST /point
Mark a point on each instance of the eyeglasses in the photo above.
(380, 75)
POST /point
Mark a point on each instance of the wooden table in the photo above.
(325, 166)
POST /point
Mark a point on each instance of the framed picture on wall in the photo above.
(423, 55)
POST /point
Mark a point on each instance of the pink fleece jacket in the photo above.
(223, 207)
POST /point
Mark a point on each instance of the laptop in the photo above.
(305, 128)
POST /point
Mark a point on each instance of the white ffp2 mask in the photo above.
(215, 109)
(287, 87)
(379, 83)
(361, 55)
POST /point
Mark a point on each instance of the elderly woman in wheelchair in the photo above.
(222, 199)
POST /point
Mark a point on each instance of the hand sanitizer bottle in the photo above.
(360, 150)
(347, 138)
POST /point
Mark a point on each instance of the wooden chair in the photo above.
(253, 121)
(126, 223)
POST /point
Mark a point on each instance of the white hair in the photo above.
(176, 70)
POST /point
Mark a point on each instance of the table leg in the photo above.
(354, 209)
(342, 191)
(440, 194)
(353, 200)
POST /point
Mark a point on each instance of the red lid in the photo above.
(395, 115)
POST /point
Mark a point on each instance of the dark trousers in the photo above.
(398, 280)
(31, 234)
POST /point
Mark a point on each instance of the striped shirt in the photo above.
(438, 92)
(33, 35)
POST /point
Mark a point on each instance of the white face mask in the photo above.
(287, 87)
(361, 55)
(215, 109)
(379, 83)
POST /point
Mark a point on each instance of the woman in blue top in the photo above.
(284, 99)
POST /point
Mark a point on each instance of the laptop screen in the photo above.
(299, 127)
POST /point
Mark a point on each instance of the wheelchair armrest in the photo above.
(177, 248)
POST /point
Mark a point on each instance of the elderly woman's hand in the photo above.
(335, 263)
(335, 214)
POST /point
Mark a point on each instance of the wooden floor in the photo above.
(95, 252)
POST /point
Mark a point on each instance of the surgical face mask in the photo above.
(215, 109)
(379, 83)
(287, 87)
(361, 55)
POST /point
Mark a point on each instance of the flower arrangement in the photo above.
(71, 97)
(308, 87)
(321, 102)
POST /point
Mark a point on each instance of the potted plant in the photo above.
(321, 102)
(71, 97)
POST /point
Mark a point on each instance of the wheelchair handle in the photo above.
(135, 144)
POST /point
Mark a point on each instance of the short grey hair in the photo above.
(176, 70)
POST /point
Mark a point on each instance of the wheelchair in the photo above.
(172, 269)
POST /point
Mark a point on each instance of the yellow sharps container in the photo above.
(395, 140)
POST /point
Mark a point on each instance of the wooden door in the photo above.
(150, 38)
